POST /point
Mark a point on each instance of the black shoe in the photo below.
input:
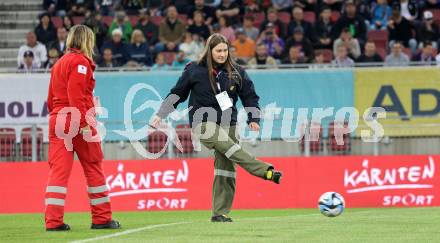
(63, 227)
(113, 224)
(221, 218)
(276, 176)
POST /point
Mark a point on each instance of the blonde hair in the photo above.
(82, 38)
(137, 32)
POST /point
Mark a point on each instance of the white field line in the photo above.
(131, 231)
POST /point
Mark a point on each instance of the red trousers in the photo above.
(60, 164)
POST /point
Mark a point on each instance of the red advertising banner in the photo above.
(179, 184)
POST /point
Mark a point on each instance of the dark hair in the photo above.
(206, 58)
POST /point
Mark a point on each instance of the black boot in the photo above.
(113, 224)
(221, 218)
(63, 227)
(273, 175)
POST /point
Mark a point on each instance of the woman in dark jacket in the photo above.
(213, 85)
(138, 50)
(45, 30)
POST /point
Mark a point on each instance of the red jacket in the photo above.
(71, 85)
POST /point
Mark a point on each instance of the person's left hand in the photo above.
(254, 126)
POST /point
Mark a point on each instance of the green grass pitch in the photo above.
(292, 225)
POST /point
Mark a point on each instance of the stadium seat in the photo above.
(436, 13)
(310, 17)
(133, 19)
(156, 20)
(316, 145)
(169, 56)
(284, 17)
(57, 21)
(156, 141)
(78, 19)
(183, 18)
(379, 37)
(107, 20)
(343, 129)
(26, 143)
(183, 132)
(258, 18)
(335, 16)
(7, 143)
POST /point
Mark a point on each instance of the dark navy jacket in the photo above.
(194, 82)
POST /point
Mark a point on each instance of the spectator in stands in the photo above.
(255, 6)
(298, 40)
(230, 10)
(39, 52)
(323, 28)
(171, 31)
(248, 26)
(180, 61)
(95, 23)
(60, 43)
(107, 60)
(380, 13)
(226, 30)
(45, 30)
(319, 58)
(272, 18)
(67, 22)
(138, 50)
(262, 58)
(426, 56)
(428, 31)
(55, 7)
(105, 7)
(397, 57)
(409, 9)
(28, 64)
(122, 23)
(207, 12)
(308, 5)
(352, 44)
(53, 55)
(355, 24)
(232, 52)
(400, 29)
(370, 54)
(282, 5)
(342, 59)
(132, 7)
(432, 4)
(148, 28)
(80, 7)
(198, 26)
(160, 64)
(245, 46)
(119, 48)
(294, 57)
(192, 46)
(335, 5)
(298, 21)
(274, 44)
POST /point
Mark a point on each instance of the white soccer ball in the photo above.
(331, 204)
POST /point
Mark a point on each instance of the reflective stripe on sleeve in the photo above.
(232, 150)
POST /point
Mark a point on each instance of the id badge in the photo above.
(224, 101)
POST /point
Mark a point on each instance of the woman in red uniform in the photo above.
(71, 88)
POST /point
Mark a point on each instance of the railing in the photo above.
(28, 144)
(266, 67)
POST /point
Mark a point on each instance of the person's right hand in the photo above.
(155, 122)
